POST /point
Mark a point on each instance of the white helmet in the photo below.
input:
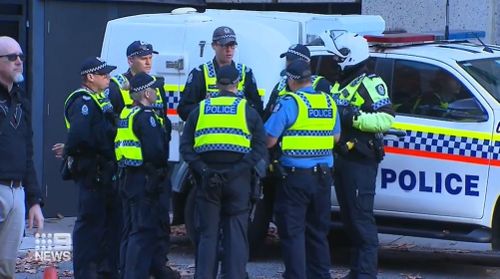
(349, 48)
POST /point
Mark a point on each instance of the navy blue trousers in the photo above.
(97, 231)
(223, 209)
(302, 212)
(146, 230)
(355, 189)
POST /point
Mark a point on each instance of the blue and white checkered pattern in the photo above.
(308, 104)
(222, 147)
(231, 131)
(129, 162)
(211, 69)
(311, 133)
(123, 123)
(172, 98)
(128, 143)
(446, 144)
(381, 103)
(308, 153)
(496, 150)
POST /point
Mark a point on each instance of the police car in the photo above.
(439, 180)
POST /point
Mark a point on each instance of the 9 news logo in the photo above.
(53, 247)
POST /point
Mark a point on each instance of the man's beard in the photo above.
(18, 78)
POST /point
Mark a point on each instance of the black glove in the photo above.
(198, 166)
(347, 116)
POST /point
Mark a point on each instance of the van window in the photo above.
(429, 91)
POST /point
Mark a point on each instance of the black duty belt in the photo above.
(11, 183)
(313, 170)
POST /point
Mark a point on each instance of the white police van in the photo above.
(438, 181)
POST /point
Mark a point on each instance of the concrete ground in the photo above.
(400, 257)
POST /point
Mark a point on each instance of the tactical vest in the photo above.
(124, 86)
(211, 78)
(349, 95)
(312, 133)
(127, 146)
(222, 126)
(99, 99)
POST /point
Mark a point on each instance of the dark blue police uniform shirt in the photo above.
(284, 117)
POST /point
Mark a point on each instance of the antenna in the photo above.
(447, 26)
(486, 47)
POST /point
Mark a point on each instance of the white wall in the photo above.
(429, 15)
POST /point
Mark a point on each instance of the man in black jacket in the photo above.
(17, 173)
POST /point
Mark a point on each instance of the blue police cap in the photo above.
(298, 70)
(297, 51)
(224, 35)
(95, 65)
(228, 75)
(140, 48)
(142, 81)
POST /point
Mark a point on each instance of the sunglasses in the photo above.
(13, 57)
(230, 45)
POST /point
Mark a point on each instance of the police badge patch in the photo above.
(380, 90)
(190, 78)
(85, 110)
(152, 121)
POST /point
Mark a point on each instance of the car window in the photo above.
(426, 90)
(324, 65)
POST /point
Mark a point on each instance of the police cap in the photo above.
(140, 48)
(228, 75)
(224, 35)
(142, 81)
(298, 70)
(95, 65)
(297, 51)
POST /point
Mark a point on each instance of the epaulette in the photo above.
(358, 80)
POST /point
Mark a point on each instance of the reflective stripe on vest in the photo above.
(99, 99)
(312, 133)
(282, 85)
(124, 86)
(211, 78)
(128, 150)
(222, 126)
(349, 95)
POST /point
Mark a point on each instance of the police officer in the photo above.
(140, 59)
(366, 113)
(142, 151)
(293, 53)
(305, 123)
(319, 83)
(90, 122)
(201, 82)
(222, 141)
